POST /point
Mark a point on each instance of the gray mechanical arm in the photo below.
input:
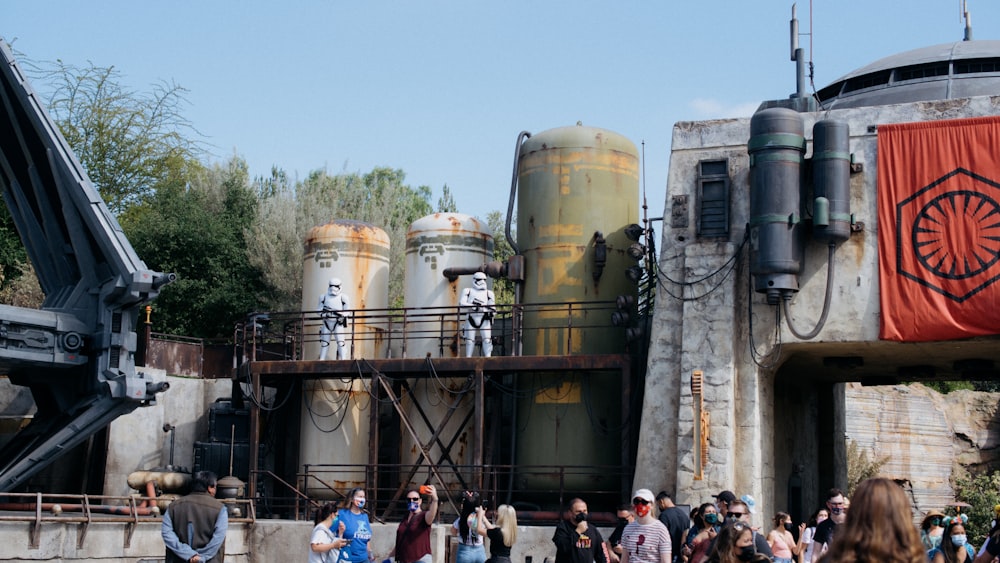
(76, 353)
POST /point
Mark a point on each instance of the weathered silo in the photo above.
(578, 190)
(433, 243)
(335, 421)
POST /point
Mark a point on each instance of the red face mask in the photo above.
(641, 509)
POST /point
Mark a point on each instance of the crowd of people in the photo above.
(876, 528)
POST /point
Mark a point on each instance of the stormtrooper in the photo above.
(333, 309)
(480, 305)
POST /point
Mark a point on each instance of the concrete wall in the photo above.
(730, 335)
(266, 541)
(137, 440)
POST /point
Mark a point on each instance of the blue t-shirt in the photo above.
(358, 529)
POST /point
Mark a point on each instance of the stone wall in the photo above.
(925, 437)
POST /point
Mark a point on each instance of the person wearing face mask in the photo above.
(740, 511)
(735, 544)
(807, 536)
(880, 528)
(835, 503)
(576, 540)
(413, 536)
(955, 547)
(625, 517)
(646, 540)
(931, 529)
(708, 522)
(357, 528)
(780, 539)
(326, 541)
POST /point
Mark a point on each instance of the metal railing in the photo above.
(538, 492)
(41, 508)
(421, 331)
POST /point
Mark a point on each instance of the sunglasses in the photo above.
(737, 514)
(413, 499)
(640, 501)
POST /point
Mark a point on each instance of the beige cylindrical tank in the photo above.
(433, 243)
(358, 254)
(575, 182)
(434, 327)
(335, 413)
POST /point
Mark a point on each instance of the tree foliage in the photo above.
(982, 492)
(379, 197)
(199, 231)
(860, 466)
(129, 142)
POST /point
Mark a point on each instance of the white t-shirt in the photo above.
(322, 535)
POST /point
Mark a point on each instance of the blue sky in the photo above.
(440, 89)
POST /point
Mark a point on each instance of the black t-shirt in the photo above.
(676, 520)
(497, 547)
(824, 531)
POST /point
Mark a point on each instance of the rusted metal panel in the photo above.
(175, 357)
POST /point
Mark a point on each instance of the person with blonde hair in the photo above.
(502, 535)
(878, 529)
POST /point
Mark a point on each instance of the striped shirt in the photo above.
(646, 543)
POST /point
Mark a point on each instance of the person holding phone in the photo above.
(326, 541)
(413, 536)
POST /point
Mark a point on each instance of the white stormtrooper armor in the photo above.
(480, 305)
(333, 308)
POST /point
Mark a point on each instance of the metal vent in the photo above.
(713, 198)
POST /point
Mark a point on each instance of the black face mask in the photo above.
(580, 517)
(747, 553)
(788, 526)
(623, 521)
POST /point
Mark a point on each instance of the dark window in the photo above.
(713, 198)
(831, 91)
(879, 78)
(915, 72)
(972, 66)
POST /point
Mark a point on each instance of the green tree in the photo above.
(446, 203)
(129, 142)
(982, 492)
(860, 466)
(379, 197)
(200, 232)
(503, 289)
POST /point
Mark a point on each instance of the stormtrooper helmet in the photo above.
(335, 284)
(479, 280)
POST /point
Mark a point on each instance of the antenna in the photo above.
(968, 21)
(800, 67)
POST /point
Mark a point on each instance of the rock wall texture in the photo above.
(925, 436)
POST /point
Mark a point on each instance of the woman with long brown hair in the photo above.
(879, 528)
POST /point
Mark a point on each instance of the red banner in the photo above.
(939, 229)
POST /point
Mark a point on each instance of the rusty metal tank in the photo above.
(358, 254)
(433, 243)
(578, 189)
(335, 422)
(433, 328)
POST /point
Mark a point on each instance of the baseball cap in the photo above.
(725, 496)
(750, 502)
(644, 494)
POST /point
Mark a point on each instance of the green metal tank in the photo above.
(575, 182)
(578, 189)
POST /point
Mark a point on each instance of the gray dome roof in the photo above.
(953, 70)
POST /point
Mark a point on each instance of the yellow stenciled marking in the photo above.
(569, 230)
(566, 393)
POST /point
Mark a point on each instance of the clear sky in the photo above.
(441, 89)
